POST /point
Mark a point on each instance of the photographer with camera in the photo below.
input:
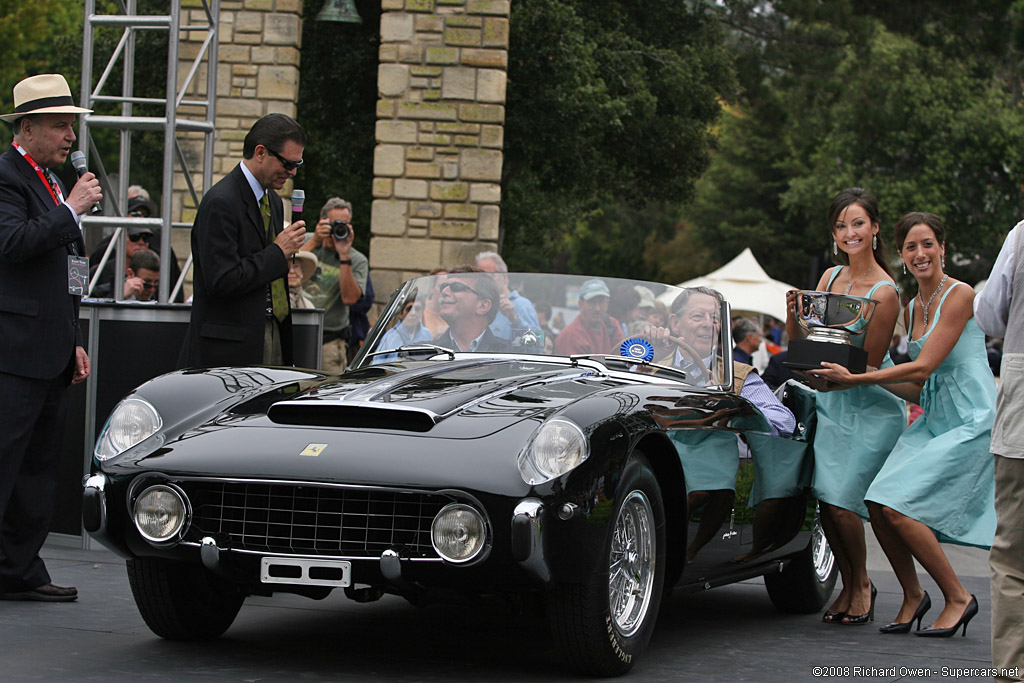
(340, 282)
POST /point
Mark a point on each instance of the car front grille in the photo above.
(313, 520)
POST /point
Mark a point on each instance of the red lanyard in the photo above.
(54, 191)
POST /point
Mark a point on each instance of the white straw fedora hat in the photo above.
(43, 94)
(309, 264)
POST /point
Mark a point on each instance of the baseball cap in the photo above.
(591, 288)
(138, 203)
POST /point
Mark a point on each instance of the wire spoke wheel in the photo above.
(632, 562)
(603, 624)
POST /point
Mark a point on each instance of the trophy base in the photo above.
(807, 355)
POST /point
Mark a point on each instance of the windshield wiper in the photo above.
(413, 348)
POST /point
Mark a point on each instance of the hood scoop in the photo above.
(317, 413)
(415, 400)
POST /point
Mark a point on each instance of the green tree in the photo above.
(28, 31)
(919, 104)
(610, 110)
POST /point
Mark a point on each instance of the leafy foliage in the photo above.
(610, 106)
(919, 104)
(28, 31)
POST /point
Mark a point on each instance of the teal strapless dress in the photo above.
(856, 430)
(940, 472)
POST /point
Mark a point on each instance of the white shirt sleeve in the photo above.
(992, 304)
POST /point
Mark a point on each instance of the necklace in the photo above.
(924, 305)
(855, 280)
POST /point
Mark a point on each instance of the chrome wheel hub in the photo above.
(631, 564)
(821, 553)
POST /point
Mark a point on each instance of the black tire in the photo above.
(183, 602)
(597, 637)
(807, 582)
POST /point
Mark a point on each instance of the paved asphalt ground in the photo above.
(727, 634)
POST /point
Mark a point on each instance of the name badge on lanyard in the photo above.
(78, 275)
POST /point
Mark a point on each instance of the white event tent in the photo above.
(746, 286)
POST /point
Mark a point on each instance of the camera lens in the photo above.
(340, 230)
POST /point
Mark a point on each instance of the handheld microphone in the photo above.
(78, 161)
(298, 199)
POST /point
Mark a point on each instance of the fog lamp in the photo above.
(160, 513)
(458, 533)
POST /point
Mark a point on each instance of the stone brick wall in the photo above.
(440, 116)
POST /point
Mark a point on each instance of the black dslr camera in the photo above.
(340, 230)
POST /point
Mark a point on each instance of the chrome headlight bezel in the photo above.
(559, 446)
(469, 514)
(170, 494)
(116, 437)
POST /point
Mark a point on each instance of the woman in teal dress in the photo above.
(937, 485)
(856, 429)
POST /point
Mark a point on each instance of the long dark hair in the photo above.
(868, 202)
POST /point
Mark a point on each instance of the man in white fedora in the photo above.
(43, 273)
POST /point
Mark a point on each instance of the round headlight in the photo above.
(558, 447)
(458, 533)
(132, 421)
(160, 513)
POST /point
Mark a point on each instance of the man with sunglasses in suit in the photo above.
(240, 250)
(470, 300)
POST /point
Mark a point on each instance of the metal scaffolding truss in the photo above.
(202, 20)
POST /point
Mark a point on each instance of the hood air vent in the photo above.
(322, 414)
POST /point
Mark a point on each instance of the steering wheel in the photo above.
(691, 355)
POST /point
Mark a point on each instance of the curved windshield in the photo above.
(612, 320)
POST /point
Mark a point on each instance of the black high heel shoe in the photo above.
(969, 612)
(860, 619)
(904, 626)
(832, 617)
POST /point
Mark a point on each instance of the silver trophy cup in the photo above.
(830, 320)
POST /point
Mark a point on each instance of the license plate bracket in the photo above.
(306, 571)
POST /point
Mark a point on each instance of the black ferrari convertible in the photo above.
(590, 457)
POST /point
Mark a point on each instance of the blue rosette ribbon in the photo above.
(637, 348)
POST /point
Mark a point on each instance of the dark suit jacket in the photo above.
(232, 264)
(38, 318)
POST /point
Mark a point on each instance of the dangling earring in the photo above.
(874, 242)
(904, 266)
(943, 261)
(835, 248)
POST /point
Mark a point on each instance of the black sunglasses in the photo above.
(288, 165)
(138, 236)
(459, 287)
